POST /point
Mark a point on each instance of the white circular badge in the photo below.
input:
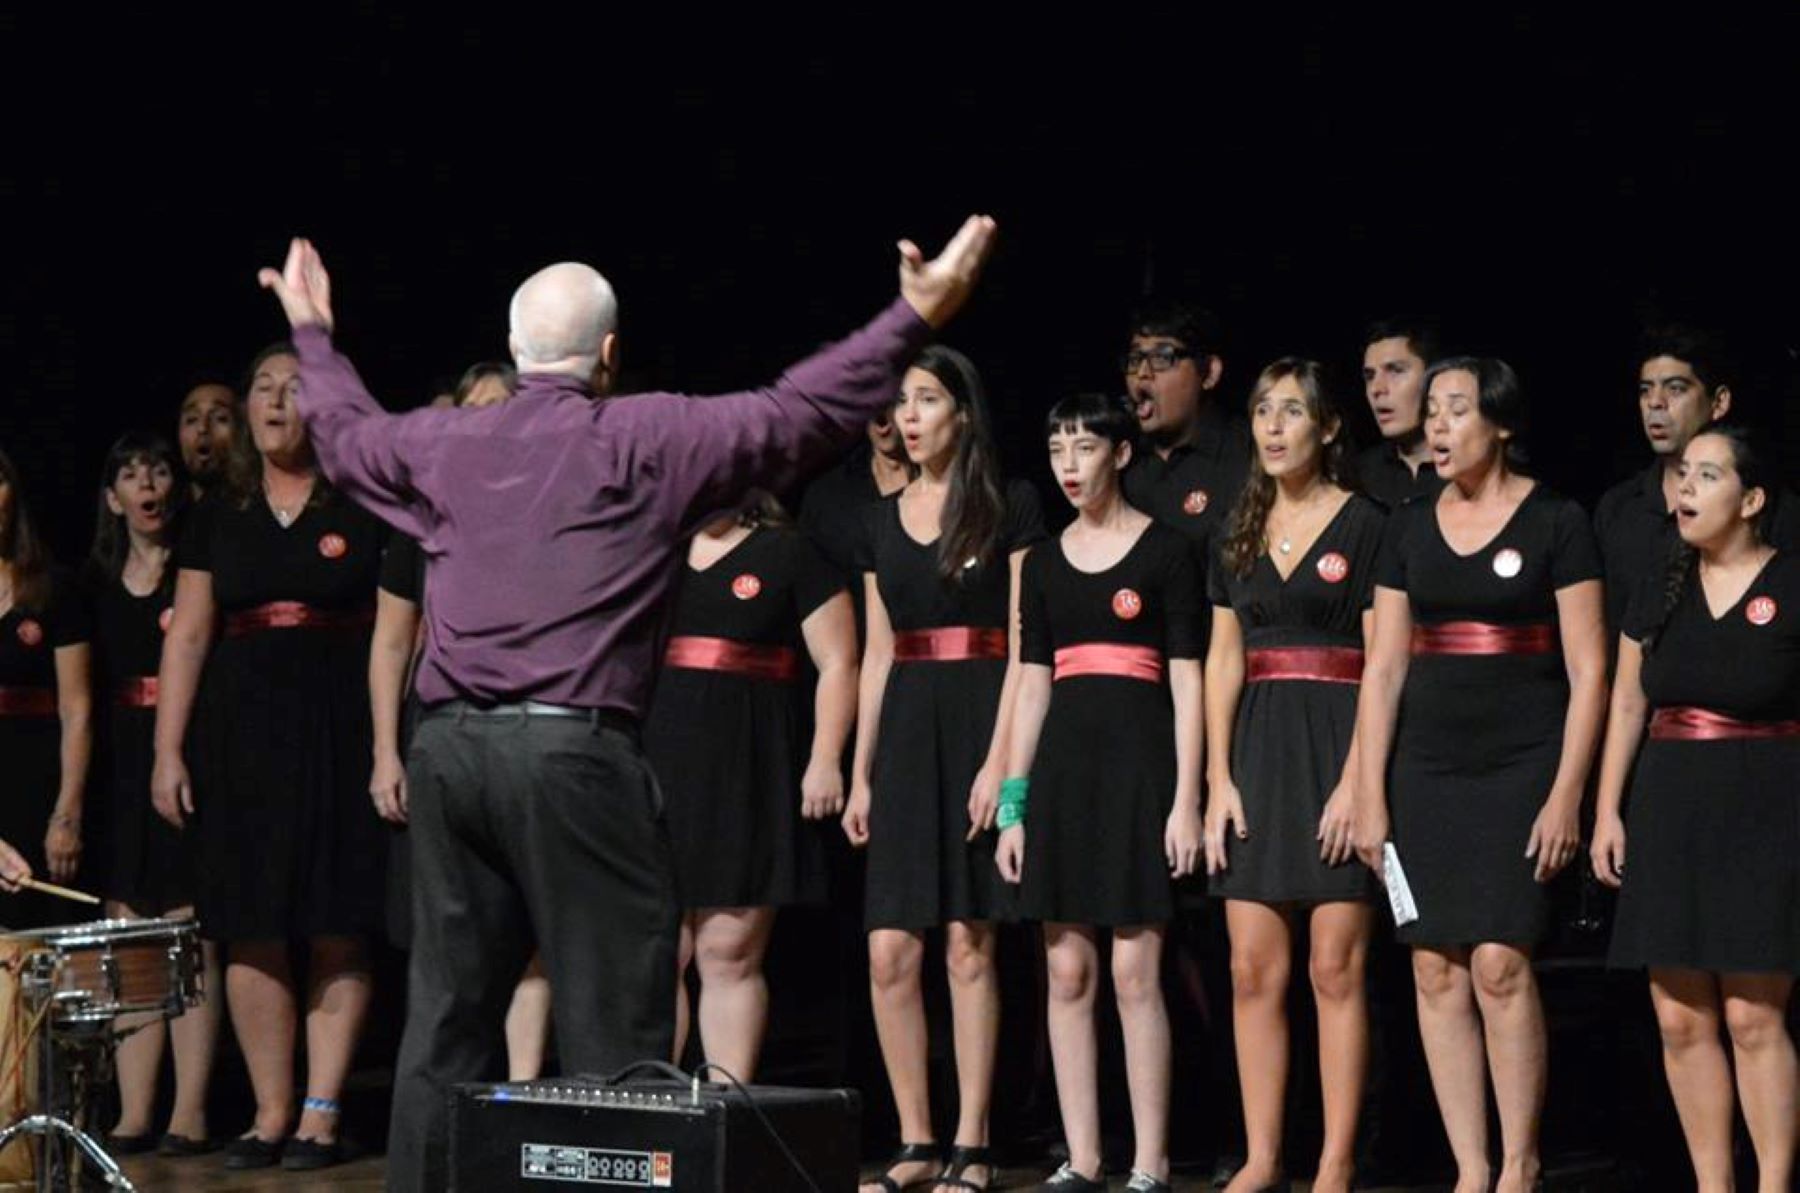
(1507, 564)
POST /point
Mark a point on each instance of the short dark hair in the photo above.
(1421, 335)
(1182, 319)
(1701, 350)
(480, 371)
(1106, 415)
(1499, 396)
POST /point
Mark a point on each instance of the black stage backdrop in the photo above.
(1544, 183)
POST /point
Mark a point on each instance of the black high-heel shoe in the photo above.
(909, 1153)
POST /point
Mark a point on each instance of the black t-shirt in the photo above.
(330, 558)
(29, 637)
(1323, 599)
(1390, 481)
(403, 569)
(906, 570)
(759, 591)
(1744, 663)
(1193, 490)
(1151, 597)
(834, 512)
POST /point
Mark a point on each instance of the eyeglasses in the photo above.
(1161, 359)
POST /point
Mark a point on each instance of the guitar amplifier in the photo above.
(592, 1135)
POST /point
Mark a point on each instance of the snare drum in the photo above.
(115, 967)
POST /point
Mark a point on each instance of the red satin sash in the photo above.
(1110, 658)
(738, 658)
(137, 692)
(1323, 664)
(291, 615)
(1684, 723)
(949, 644)
(27, 702)
(1480, 638)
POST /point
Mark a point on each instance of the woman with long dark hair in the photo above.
(938, 678)
(1101, 805)
(1481, 703)
(148, 866)
(1709, 660)
(289, 847)
(46, 728)
(743, 782)
(1290, 592)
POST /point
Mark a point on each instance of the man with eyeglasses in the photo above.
(1198, 459)
(1199, 453)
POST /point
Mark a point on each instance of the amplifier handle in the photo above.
(660, 1068)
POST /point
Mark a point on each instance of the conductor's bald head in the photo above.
(563, 321)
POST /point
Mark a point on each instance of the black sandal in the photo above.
(961, 1160)
(909, 1153)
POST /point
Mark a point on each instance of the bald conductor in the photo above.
(553, 525)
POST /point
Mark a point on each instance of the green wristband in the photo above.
(1012, 802)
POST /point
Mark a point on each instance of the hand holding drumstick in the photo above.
(15, 875)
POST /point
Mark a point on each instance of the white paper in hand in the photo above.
(1400, 896)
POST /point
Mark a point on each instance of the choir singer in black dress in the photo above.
(938, 678)
(1290, 591)
(1480, 710)
(1709, 660)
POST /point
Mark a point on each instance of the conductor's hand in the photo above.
(170, 791)
(387, 786)
(937, 289)
(14, 869)
(302, 285)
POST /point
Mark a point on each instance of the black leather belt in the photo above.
(601, 718)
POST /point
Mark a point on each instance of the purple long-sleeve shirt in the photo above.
(554, 523)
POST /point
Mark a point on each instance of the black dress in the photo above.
(147, 863)
(31, 740)
(1103, 778)
(729, 749)
(1712, 844)
(937, 722)
(289, 842)
(1291, 736)
(1480, 736)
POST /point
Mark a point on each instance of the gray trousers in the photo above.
(544, 831)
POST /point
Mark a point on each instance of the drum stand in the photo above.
(38, 982)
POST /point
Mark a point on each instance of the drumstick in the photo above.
(61, 892)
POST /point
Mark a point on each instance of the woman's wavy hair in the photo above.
(1246, 529)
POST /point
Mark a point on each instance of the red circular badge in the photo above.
(333, 546)
(1194, 504)
(30, 632)
(164, 618)
(1761, 611)
(746, 586)
(1127, 604)
(1333, 567)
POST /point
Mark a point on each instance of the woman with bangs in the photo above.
(1290, 592)
(274, 600)
(1101, 805)
(936, 694)
(148, 864)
